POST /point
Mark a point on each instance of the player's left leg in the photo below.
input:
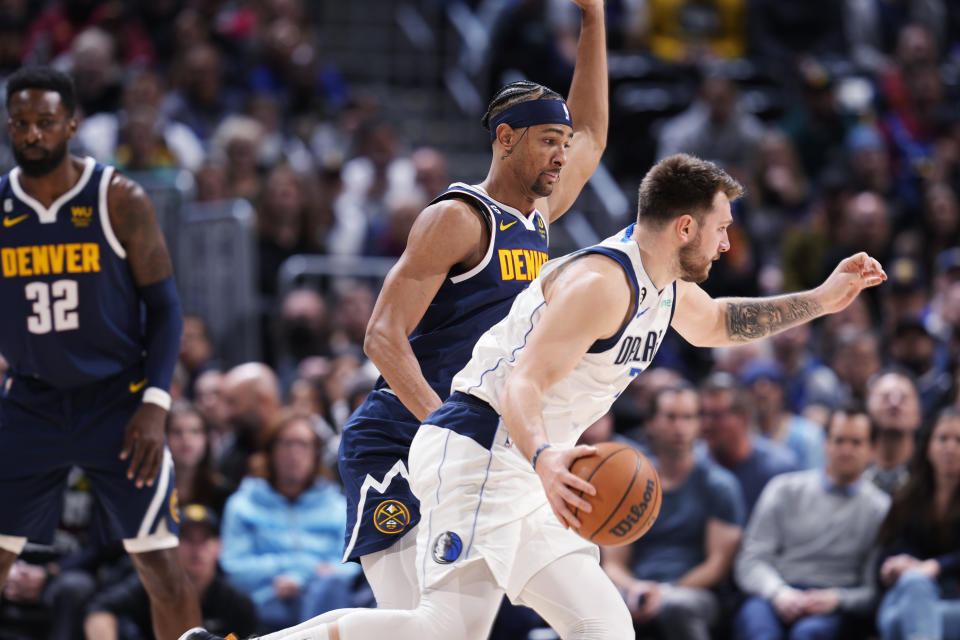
(173, 601)
(578, 600)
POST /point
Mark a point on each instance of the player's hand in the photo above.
(561, 486)
(789, 604)
(821, 602)
(144, 438)
(852, 275)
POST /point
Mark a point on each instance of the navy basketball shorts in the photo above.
(44, 432)
(381, 508)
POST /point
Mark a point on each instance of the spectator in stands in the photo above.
(855, 357)
(282, 533)
(281, 220)
(201, 100)
(303, 330)
(906, 293)
(920, 542)
(388, 237)
(278, 147)
(716, 127)
(808, 557)
(692, 31)
(753, 459)
(914, 348)
(893, 403)
(816, 125)
(196, 348)
(209, 403)
(235, 142)
(766, 387)
(95, 71)
(872, 28)
(351, 313)
(670, 576)
(123, 610)
(431, 170)
(251, 396)
(804, 374)
(189, 443)
(941, 220)
(781, 32)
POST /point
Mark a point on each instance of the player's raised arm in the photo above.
(135, 226)
(586, 301)
(707, 322)
(445, 234)
(588, 102)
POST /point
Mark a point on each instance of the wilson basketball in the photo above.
(628, 494)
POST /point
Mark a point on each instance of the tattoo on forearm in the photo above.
(749, 320)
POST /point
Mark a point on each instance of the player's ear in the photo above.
(72, 126)
(506, 135)
(685, 227)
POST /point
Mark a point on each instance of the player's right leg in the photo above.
(381, 509)
(33, 467)
(578, 600)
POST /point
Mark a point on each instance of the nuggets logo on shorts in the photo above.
(447, 547)
(391, 516)
(175, 506)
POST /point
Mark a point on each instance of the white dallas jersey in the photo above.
(587, 392)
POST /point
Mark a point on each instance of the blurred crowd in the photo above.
(811, 481)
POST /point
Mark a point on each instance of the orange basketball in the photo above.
(628, 494)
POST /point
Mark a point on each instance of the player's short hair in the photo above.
(682, 184)
(46, 79)
(515, 93)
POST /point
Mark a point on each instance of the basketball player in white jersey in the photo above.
(491, 465)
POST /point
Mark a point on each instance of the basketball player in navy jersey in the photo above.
(468, 255)
(91, 327)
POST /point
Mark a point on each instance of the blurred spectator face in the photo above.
(304, 398)
(767, 396)
(855, 361)
(720, 96)
(944, 448)
(913, 347)
(643, 388)
(208, 397)
(187, 439)
(281, 215)
(92, 62)
(199, 549)
(144, 90)
(676, 424)
(303, 322)
(431, 170)
(195, 346)
(790, 344)
(723, 428)
(866, 223)
(942, 215)
(925, 88)
(211, 179)
(848, 448)
(201, 74)
(380, 144)
(294, 455)
(894, 405)
(140, 134)
(342, 373)
(402, 212)
(241, 407)
(915, 45)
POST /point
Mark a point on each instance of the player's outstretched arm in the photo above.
(444, 235)
(588, 300)
(706, 322)
(135, 226)
(588, 101)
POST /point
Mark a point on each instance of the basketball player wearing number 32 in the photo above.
(82, 260)
(491, 465)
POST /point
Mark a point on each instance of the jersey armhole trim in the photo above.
(105, 215)
(492, 223)
(626, 264)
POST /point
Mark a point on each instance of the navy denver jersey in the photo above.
(71, 310)
(469, 303)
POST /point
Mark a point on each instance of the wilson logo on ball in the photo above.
(636, 512)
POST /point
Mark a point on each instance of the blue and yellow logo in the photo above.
(175, 506)
(391, 516)
(520, 264)
(541, 228)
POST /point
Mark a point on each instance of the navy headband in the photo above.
(531, 112)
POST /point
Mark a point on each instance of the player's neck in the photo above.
(657, 254)
(506, 189)
(47, 188)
